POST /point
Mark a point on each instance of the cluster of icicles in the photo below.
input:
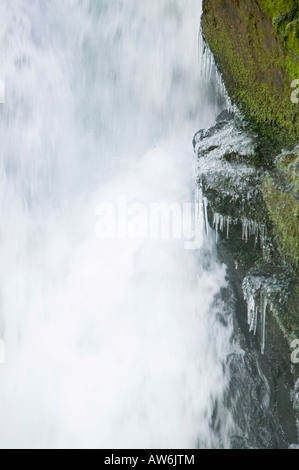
(250, 228)
(254, 293)
(256, 298)
(210, 73)
(259, 293)
(254, 288)
(257, 303)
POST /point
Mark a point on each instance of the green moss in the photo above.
(258, 61)
(284, 213)
(285, 19)
(289, 166)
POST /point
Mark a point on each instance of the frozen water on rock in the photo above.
(253, 228)
(233, 191)
(259, 293)
(220, 222)
(239, 182)
(250, 228)
(251, 289)
(228, 137)
(215, 170)
(210, 73)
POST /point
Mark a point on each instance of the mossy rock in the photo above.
(256, 46)
(288, 165)
(267, 201)
(283, 207)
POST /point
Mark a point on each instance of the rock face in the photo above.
(260, 227)
(256, 46)
(280, 190)
(248, 169)
(241, 209)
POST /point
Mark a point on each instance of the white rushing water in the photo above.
(109, 343)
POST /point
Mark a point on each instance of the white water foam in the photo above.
(110, 344)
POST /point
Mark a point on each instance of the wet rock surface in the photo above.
(263, 283)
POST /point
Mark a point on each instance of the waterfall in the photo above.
(109, 343)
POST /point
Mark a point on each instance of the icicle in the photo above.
(264, 313)
(251, 288)
(245, 230)
(228, 223)
(252, 314)
(252, 228)
(216, 225)
(255, 293)
(205, 207)
(221, 220)
(210, 73)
